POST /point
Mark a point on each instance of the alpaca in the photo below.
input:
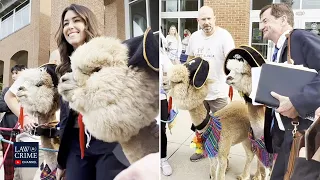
(118, 101)
(234, 118)
(238, 72)
(38, 95)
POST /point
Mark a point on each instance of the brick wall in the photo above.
(233, 15)
(31, 38)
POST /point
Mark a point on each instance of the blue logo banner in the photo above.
(26, 154)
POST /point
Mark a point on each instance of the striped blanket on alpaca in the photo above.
(211, 137)
(259, 148)
(46, 173)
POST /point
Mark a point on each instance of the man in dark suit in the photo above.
(276, 21)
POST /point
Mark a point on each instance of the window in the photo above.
(21, 18)
(180, 5)
(295, 5)
(310, 4)
(15, 19)
(143, 14)
(259, 4)
(257, 40)
(188, 5)
(6, 27)
(167, 23)
(190, 24)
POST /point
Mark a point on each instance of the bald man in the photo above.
(211, 43)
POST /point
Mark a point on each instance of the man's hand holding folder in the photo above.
(278, 82)
(285, 106)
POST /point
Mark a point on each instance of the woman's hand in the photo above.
(317, 114)
(29, 123)
(60, 174)
(316, 156)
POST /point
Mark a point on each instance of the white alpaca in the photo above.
(118, 103)
(238, 72)
(39, 98)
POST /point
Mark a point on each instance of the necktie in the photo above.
(275, 53)
(274, 58)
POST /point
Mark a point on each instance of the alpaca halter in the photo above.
(47, 129)
(204, 123)
(245, 97)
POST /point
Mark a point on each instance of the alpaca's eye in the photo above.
(176, 82)
(39, 84)
(97, 69)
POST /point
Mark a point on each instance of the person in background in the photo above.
(185, 40)
(212, 43)
(174, 45)
(9, 120)
(166, 64)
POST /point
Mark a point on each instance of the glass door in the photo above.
(312, 25)
(257, 41)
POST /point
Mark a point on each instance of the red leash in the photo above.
(20, 121)
(230, 93)
(81, 135)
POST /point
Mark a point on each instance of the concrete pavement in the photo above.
(179, 153)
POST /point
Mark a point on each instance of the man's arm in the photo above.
(308, 100)
(3, 104)
(228, 44)
(189, 51)
(12, 102)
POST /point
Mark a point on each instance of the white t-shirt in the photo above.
(15, 86)
(213, 49)
(174, 47)
(166, 64)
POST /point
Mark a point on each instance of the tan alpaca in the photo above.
(39, 98)
(234, 117)
(118, 103)
(238, 72)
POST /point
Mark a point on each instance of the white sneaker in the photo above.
(165, 167)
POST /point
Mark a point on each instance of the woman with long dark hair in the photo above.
(78, 25)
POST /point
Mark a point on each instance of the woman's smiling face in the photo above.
(74, 29)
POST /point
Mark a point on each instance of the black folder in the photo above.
(285, 81)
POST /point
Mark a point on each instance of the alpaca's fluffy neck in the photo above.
(256, 113)
(49, 157)
(144, 143)
(198, 114)
(256, 117)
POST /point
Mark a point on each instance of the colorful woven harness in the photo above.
(46, 173)
(208, 141)
(259, 148)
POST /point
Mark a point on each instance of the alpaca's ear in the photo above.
(199, 70)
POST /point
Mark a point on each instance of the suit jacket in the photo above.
(305, 48)
(304, 169)
(69, 139)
